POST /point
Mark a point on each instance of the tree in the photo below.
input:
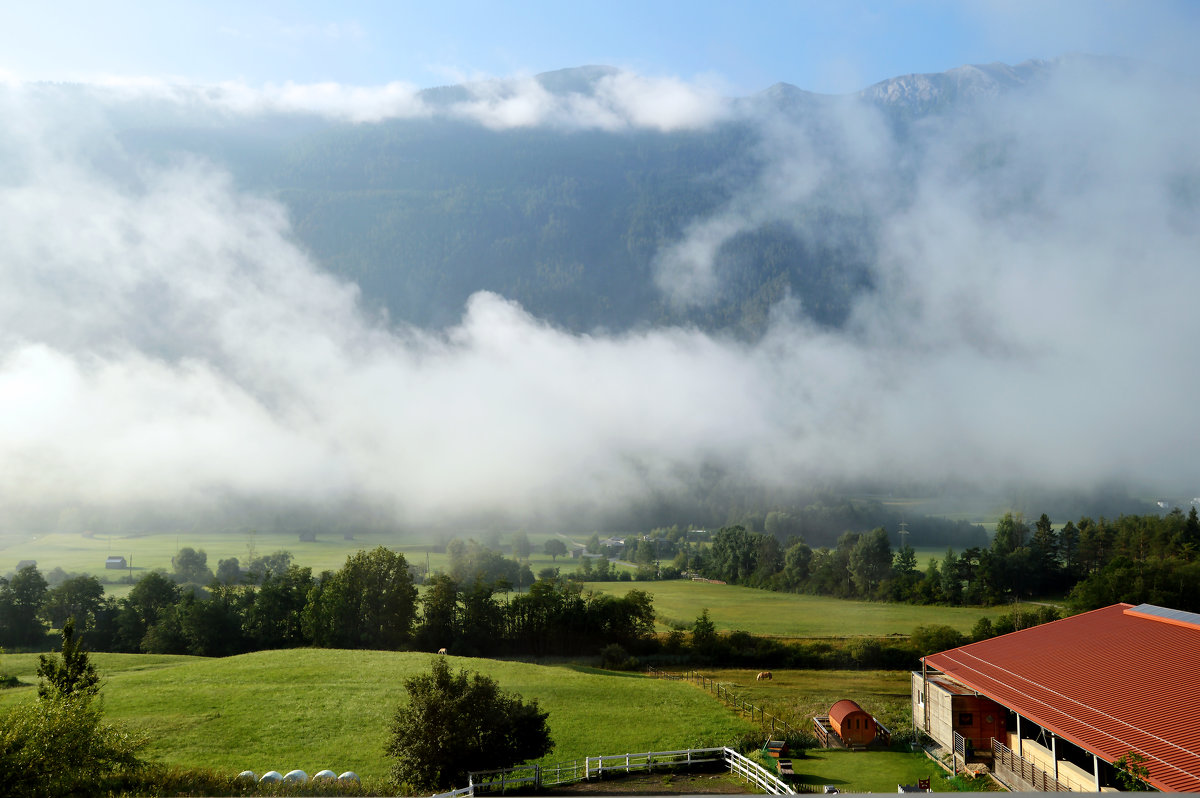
(1132, 772)
(150, 598)
(79, 597)
(273, 618)
(21, 601)
(796, 562)
(520, 545)
(439, 614)
(870, 560)
(456, 723)
(229, 571)
(72, 676)
(932, 639)
(369, 603)
(191, 567)
(555, 548)
(704, 633)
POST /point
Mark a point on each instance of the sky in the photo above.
(166, 337)
(832, 47)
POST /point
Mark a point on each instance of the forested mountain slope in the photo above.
(423, 212)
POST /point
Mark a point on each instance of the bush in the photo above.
(58, 746)
(615, 658)
(456, 723)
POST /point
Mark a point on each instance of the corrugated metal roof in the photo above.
(1166, 614)
(1107, 680)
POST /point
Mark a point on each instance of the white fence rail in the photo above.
(594, 767)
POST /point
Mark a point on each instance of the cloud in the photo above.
(1030, 315)
(1032, 319)
(617, 100)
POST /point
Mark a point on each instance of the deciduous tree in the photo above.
(456, 723)
(555, 548)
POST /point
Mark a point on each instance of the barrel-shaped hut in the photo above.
(852, 723)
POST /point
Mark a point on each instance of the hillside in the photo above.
(313, 709)
(572, 223)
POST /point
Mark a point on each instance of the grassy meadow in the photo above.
(792, 615)
(314, 709)
(797, 695)
(77, 552)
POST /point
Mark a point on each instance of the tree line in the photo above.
(370, 603)
(1092, 562)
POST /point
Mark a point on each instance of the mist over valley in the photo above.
(592, 299)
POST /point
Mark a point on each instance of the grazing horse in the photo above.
(765, 675)
(441, 651)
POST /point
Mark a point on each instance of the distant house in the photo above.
(115, 562)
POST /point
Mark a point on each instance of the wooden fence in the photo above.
(533, 777)
(1020, 774)
(723, 692)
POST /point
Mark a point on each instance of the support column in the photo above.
(925, 692)
(1054, 753)
(1096, 771)
(1019, 735)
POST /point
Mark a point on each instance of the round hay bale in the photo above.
(296, 777)
(247, 775)
(324, 774)
(270, 777)
(349, 775)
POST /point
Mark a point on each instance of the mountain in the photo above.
(573, 222)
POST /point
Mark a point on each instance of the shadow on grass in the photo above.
(594, 671)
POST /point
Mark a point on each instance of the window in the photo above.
(965, 719)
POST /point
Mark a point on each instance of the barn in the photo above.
(852, 723)
(1054, 706)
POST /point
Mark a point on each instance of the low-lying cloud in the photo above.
(1033, 319)
(615, 100)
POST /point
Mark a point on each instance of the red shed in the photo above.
(852, 723)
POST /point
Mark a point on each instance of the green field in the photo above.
(315, 709)
(868, 771)
(762, 612)
(795, 696)
(82, 553)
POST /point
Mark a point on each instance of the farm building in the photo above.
(852, 723)
(115, 562)
(1053, 706)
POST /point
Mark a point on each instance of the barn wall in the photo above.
(941, 710)
(979, 730)
(918, 708)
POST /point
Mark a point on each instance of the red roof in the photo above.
(1112, 680)
(839, 711)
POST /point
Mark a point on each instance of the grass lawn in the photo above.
(868, 771)
(315, 709)
(763, 612)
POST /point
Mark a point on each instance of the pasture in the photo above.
(795, 696)
(77, 552)
(314, 709)
(792, 615)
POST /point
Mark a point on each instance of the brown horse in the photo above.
(764, 676)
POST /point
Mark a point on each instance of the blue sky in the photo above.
(820, 46)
